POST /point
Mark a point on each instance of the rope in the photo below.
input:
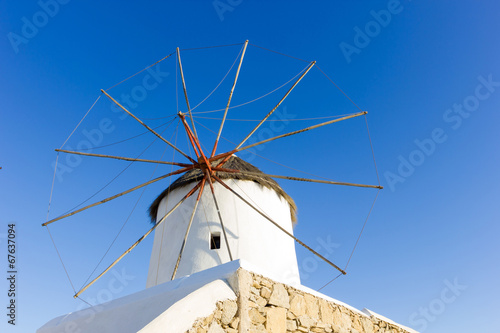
(290, 234)
(283, 54)
(338, 87)
(81, 120)
(376, 170)
(60, 259)
(300, 119)
(52, 191)
(133, 137)
(210, 47)
(84, 301)
(131, 76)
(256, 99)
(335, 278)
(267, 159)
(362, 229)
(172, 115)
(129, 216)
(237, 57)
(355, 245)
(112, 180)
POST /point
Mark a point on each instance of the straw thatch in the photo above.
(235, 163)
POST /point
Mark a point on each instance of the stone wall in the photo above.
(267, 306)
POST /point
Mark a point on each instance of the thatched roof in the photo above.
(236, 163)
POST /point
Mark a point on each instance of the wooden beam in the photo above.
(118, 195)
(219, 213)
(303, 130)
(185, 91)
(149, 128)
(278, 226)
(194, 141)
(138, 241)
(225, 156)
(277, 105)
(188, 228)
(230, 97)
(122, 158)
(299, 179)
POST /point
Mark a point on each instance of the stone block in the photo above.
(279, 296)
(261, 301)
(312, 308)
(266, 283)
(325, 311)
(229, 309)
(298, 305)
(291, 325)
(276, 320)
(346, 321)
(306, 321)
(265, 293)
(256, 317)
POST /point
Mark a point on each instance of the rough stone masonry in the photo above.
(264, 306)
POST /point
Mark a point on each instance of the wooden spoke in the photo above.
(190, 135)
(185, 91)
(229, 101)
(304, 130)
(277, 105)
(218, 212)
(188, 228)
(207, 169)
(194, 141)
(278, 226)
(118, 195)
(138, 241)
(299, 179)
(226, 156)
(149, 128)
(122, 158)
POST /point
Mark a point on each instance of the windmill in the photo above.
(236, 220)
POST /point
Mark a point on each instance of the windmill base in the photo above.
(228, 298)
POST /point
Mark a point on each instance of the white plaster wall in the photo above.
(251, 237)
(171, 307)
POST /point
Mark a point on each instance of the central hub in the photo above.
(203, 164)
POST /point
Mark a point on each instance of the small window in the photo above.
(215, 240)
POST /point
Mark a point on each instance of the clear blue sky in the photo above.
(427, 73)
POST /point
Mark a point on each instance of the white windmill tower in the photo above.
(198, 238)
(221, 212)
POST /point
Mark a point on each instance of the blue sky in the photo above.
(427, 74)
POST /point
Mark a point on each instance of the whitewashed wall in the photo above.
(251, 237)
